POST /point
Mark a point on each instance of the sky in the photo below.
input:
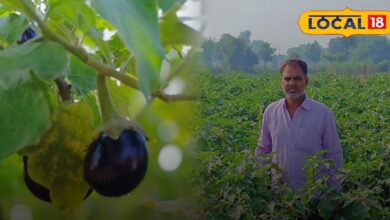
(274, 21)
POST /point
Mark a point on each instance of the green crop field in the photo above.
(229, 184)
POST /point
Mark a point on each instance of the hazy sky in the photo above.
(274, 21)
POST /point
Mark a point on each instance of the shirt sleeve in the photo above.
(264, 143)
(332, 145)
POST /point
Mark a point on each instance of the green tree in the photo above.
(246, 36)
(225, 49)
(313, 52)
(256, 45)
(230, 53)
(265, 53)
(339, 48)
(297, 52)
(349, 43)
(375, 48)
(250, 60)
(209, 53)
(242, 57)
(347, 53)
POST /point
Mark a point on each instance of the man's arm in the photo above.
(335, 152)
(264, 144)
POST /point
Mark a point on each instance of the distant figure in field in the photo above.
(296, 126)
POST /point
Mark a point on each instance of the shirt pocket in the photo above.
(309, 140)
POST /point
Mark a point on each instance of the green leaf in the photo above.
(165, 5)
(325, 209)
(137, 25)
(127, 101)
(57, 161)
(83, 78)
(13, 4)
(91, 100)
(120, 52)
(4, 11)
(97, 38)
(355, 210)
(47, 60)
(11, 27)
(24, 116)
(65, 10)
(174, 32)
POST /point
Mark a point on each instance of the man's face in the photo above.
(293, 82)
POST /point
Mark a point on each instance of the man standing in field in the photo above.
(296, 127)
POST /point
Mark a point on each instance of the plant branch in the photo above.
(64, 90)
(106, 107)
(80, 53)
(77, 51)
(108, 71)
(169, 98)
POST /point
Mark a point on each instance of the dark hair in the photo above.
(294, 62)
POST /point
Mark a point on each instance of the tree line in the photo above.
(356, 54)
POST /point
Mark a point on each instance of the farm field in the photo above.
(229, 184)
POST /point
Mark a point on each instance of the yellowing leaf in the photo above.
(57, 162)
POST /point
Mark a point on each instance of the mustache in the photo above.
(288, 89)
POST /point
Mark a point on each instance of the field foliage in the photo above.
(230, 184)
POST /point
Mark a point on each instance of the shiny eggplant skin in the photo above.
(115, 167)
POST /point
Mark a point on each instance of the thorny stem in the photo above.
(101, 68)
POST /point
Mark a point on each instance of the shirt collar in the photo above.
(305, 104)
